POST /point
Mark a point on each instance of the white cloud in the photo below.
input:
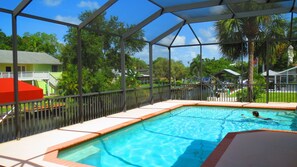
(184, 54)
(68, 19)
(194, 41)
(52, 2)
(88, 4)
(211, 51)
(179, 40)
(207, 35)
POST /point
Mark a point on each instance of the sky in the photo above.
(128, 11)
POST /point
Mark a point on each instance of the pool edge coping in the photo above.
(51, 154)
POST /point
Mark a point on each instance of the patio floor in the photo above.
(30, 151)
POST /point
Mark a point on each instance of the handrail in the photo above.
(5, 115)
(26, 75)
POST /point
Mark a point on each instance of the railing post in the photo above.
(79, 60)
(123, 74)
(15, 76)
(169, 72)
(267, 72)
(200, 71)
(151, 72)
(15, 13)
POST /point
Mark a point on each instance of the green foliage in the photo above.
(38, 42)
(258, 87)
(161, 67)
(263, 28)
(101, 54)
(97, 81)
(5, 41)
(209, 66)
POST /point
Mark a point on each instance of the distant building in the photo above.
(41, 69)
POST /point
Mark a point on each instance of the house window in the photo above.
(8, 69)
(21, 68)
(54, 68)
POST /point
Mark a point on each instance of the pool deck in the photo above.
(41, 149)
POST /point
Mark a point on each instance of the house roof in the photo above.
(25, 57)
(289, 71)
(271, 73)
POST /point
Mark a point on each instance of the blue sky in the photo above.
(128, 11)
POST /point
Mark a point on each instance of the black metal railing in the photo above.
(51, 113)
(236, 93)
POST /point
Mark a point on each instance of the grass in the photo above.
(278, 97)
(275, 97)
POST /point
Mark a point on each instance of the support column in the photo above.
(200, 71)
(79, 68)
(151, 73)
(123, 74)
(15, 76)
(267, 72)
(48, 87)
(169, 72)
(241, 82)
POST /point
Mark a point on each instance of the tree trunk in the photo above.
(251, 51)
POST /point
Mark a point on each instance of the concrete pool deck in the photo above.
(39, 150)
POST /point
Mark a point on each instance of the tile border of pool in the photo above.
(52, 152)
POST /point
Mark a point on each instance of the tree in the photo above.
(178, 70)
(101, 52)
(249, 28)
(195, 66)
(40, 42)
(209, 66)
(161, 69)
(5, 41)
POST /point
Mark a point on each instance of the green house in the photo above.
(39, 69)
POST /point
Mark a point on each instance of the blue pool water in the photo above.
(181, 138)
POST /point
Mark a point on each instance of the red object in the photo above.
(26, 91)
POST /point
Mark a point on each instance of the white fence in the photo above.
(27, 75)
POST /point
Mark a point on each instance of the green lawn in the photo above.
(279, 97)
(275, 97)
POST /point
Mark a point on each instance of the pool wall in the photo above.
(52, 152)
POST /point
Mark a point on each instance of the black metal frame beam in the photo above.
(21, 6)
(175, 36)
(194, 34)
(157, 39)
(97, 13)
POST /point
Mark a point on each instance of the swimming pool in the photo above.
(181, 137)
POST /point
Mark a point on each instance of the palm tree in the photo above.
(248, 29)
(195, 66)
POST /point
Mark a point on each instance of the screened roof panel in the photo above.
(205, 32)
(62, 10)
(203, 12)
(261, 5)
(169, 39)
(131, 12)
(160, 26)
(185, 37)
(11, 5)
(182, 2)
